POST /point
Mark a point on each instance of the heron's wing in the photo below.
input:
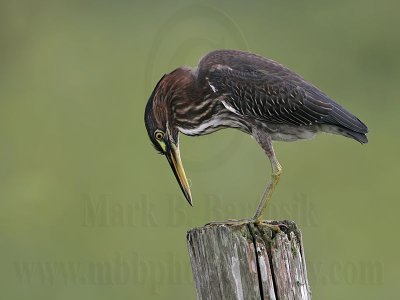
(265, 89)
(267, 96)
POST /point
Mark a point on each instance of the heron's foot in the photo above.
(238, 222)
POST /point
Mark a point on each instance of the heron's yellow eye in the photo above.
(159, 135)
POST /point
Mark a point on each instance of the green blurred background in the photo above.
(89, 211)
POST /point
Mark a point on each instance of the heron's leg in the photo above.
(266, 144)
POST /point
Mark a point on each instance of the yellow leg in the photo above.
(265, 142)
(269, 189)
(265, 199)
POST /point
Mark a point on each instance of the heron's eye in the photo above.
(159, 135)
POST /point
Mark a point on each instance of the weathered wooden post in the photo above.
(248, 262)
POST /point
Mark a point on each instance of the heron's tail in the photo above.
(359, 137)
(337, 129)
(345, 123)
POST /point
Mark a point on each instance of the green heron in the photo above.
(236, 89)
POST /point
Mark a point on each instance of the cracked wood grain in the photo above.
(248, 262)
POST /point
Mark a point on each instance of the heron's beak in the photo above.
(174, 159)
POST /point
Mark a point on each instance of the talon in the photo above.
(233, 222)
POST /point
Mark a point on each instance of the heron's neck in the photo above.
(191, 105)
(182, 91)
(181, 85)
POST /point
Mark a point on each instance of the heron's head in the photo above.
(162, 131)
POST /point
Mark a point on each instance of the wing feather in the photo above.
(266, 97)
(262, 88)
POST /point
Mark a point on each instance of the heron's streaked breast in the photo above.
(220, 121)
(203, 128)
